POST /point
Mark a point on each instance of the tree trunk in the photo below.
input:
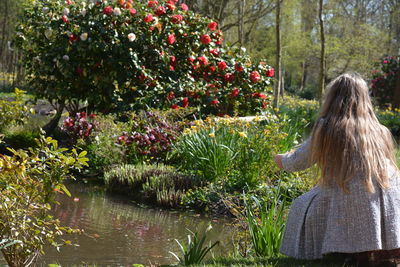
(241, 22)
(304, 68)
(322, 59)
(53, 123)
(278, 54)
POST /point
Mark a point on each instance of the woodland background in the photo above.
(357, 34)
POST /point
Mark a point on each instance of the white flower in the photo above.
(117, 11)
(155, 20)
(66, 57)
(84, 36)
(131, 37)
(45, 9)
(83, 12)
(54, 60)
(66, 11)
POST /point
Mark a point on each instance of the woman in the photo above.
(356, 206)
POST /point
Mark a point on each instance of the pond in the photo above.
(121, 233)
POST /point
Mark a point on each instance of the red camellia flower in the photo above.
(254, 76)
(222, 65)
(173, 106)
(172, 60)
(176, 19)
(108, 10)
(132, 11)
(171, 39)
(160, 11)
(203, 60)
(185, 102)
(148, 18)
(264, 104)
(219, 41)
(229, 78)
(239, 67)
(262, 96)
(205, 39)
(170, 95)
(270, 72)
(214, 52)
(213, 26)
(235, 92)
(69, 2)
(191, 60)
(152, 3)
(65, 19)
(214, 102)
(211, 69)
(184, 7)
(171, 6)
(73, 37)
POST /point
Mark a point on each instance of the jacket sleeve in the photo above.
(298, 159)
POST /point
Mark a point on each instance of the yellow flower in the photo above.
(211, 135)
(243, 134)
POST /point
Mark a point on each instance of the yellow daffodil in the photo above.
(243, 134)
(212, 135)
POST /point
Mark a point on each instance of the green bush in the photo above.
(29, 182)
(391, 119)
(158, 184)
(234, 150)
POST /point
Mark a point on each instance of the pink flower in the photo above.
(160, 11)
(148, 18)
(152, 3)
(65, 19)
(191, 60)
(214, 52)
(69, 2)
(73, 37)
(184, 7)
(171, 39)
(108, 10)
(222, 65)
(213, 26)
(211, 69)
(176, 19)
(172, 60)
(385, 62)
(170, 6)
(205, 39)
(270, 72)
(132, 11)
(219, 41)
(255, 76)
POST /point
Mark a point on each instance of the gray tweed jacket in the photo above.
(326, 219)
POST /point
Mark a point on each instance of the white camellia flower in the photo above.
(45, 9)
(66, 57)
(117, 11)
(66, 11)
(155, 20)
(131, 37)
(84, 36)
(83, 12)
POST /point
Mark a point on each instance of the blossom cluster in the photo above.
(80, 126)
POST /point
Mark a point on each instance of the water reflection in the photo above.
(120, 233)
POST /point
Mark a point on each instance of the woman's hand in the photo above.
(278, 160)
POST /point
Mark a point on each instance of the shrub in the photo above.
(158, 184)
(391, 119)
(103, 152)
(120, 55)
(234, 150)
(79, 127)
(29, 181)
(13, 111)
(150, 138)
(385, 79)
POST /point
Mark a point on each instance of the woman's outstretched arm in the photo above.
(295, 160)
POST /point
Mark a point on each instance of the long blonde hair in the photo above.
(348, 140)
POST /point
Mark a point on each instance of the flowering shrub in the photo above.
(384, 80)
(391, 119)
(150, 139)
(80, 126)
(136, 54)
